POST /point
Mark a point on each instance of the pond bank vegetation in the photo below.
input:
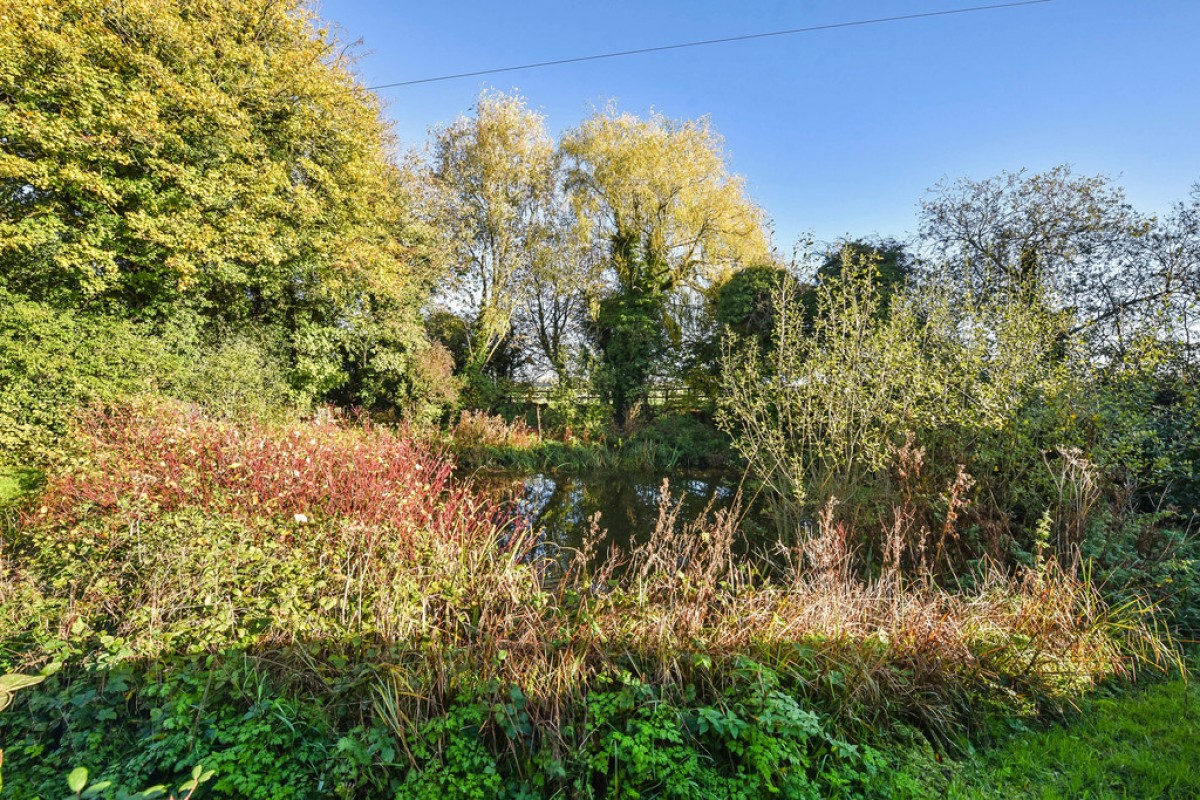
(386, 629)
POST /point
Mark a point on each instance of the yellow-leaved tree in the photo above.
(657, 192)
(210, 160)
(493, 178)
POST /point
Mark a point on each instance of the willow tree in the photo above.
(494, 178)
(659, 194)
(212, 159)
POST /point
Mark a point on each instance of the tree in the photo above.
(209, 161)
(1047, 231)
(1076, 242)
(494, 181)
(658, 194)
(894, 266)
(563, 276)
(1159, 288)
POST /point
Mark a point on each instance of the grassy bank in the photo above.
(1121, 743)
(671, 441)
(316, 609)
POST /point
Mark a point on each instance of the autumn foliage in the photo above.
(157, 457)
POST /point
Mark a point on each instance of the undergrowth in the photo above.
(321, 609)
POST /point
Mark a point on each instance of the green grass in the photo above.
(1139, 744)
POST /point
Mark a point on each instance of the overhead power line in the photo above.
(706, 42)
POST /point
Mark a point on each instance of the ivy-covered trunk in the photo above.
(629, 333)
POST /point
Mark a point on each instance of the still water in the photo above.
(562, 508)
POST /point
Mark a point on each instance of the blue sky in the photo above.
(837, 132)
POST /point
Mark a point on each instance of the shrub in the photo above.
(51, 361)
(477, 431)
(682, 440)
(977, 384)
(237, 376)
(156, 457)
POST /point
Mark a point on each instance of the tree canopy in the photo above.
(211, 159)
(658, 191)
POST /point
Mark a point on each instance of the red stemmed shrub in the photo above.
(155, 457)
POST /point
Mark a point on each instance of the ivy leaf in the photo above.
(77, 779)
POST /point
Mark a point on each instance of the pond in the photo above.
(562, 508)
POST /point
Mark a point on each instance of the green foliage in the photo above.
(755, 741)
(17, 483)
(1124, 744)
(422, 645)
(454, 761)
(657, 196)
(239, 375)
(155, 152)
(78, 783)
(570, 411)
(452, 332)
(630, 337)
(891, 265)
(10, 684)
(199, 199)
(53, 361)
(218, 168)
(1147, 557)
(1144, 415)
(682, 440)
(257, 739)
(844, 391)
(745, 303)
(138, 727)
(668, 441)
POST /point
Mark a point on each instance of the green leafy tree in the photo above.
(745, 303)
(629, 332)
(217, 159)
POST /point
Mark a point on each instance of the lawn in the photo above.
(1141, 743)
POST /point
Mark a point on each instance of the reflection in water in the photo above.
(561, 508)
